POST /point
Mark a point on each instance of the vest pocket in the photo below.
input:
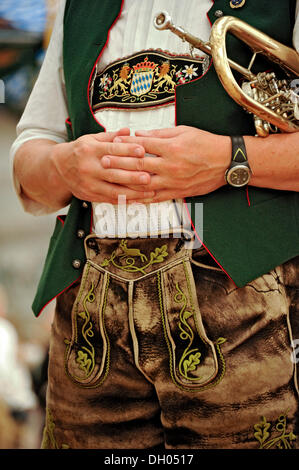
(87, 352)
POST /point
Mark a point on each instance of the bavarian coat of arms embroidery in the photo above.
(142, 78)
(146, 79)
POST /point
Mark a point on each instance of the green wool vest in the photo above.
(246, 240)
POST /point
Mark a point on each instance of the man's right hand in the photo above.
(79, 165)
(51, 173)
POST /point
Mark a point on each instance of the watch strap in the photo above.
(234, 175)
(239, 154)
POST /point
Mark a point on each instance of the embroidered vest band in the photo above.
(145, 79)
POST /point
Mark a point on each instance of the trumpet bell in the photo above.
(267, 98)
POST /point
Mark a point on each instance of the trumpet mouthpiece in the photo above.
(162, 20)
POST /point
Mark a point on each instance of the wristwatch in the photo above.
(238, 173)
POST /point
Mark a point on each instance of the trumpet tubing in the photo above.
(271, 101)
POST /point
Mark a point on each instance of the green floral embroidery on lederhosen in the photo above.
(49, 440)
(131, 255)
(274, 435)
(87, 354)
(191, 357)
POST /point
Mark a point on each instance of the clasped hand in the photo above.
(183, 161)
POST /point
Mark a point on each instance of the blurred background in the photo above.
(25, 29)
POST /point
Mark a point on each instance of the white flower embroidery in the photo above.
(104, 80)
(190, 71)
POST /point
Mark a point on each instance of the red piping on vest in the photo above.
(209, 12)
(247, 195)
(59, 217)
(55, 297)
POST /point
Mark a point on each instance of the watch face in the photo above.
(238, 176)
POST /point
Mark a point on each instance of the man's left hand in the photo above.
(184, 161)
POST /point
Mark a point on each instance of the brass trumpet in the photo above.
(273, 102)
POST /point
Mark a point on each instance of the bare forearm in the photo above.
(51, 173)
(274, 161)
(194, 162)
(38, 176)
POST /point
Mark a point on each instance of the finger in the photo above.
(109, 136)
(161, 133)
(127, 178)
(113, 192)
(120, 149)
(156, 184)
(123, 131)
(153, 145)
(130, 193)
(161, 196)
(164, 195)
(148, 164)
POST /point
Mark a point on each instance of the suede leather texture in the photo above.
(172, 355)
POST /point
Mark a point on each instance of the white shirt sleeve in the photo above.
(46, 110)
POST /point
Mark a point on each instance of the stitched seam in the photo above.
(107, 359)
(190, 357)
(86, 354)
(164, 268)
(49, 434)
(214, 376)
(74, 324)
(100, 382)
(172, 374)
(133, 332)
(290, 331)
(192, 304)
